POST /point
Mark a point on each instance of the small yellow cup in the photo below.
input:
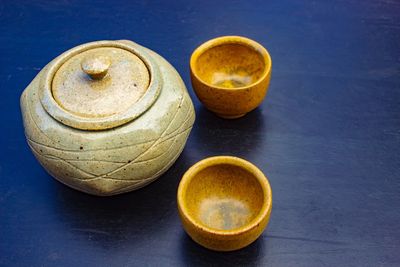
(230, 75)
(224, 203)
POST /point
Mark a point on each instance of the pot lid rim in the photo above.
(100, 123)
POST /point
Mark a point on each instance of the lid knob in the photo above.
(96, 66)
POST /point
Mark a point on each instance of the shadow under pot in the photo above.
(107, 117)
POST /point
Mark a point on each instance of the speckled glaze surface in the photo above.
(230, 75)
(96, 142)
(224, 203)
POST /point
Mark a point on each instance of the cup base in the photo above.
(229, 117)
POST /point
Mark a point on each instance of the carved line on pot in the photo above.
(138, 180)
(136, 183)
(88, 150)
(30, 112)
(92, 175)
(179, 130)
(34, 122)
(155, 143)
(172, 143)
(99, 149)
(168, 139)
(106, 176)
(139, 183)
(34, 143)
(53, 157)
(143, 183)
(95, 176)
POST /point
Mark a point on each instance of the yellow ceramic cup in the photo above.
(230, 75)
(224, 203)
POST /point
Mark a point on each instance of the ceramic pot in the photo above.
(107, 117)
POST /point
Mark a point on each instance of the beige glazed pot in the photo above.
(107, 117)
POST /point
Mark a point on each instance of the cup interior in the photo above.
(230, 65)
(224, 197)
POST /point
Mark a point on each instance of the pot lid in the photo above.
(100, 85)
(100, 82)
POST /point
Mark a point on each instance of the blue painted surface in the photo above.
(327, 135)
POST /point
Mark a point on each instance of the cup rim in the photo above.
(231, 39)
(264, 211)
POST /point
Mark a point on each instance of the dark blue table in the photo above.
(327, 135)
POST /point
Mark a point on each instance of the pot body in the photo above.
(116, 160)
